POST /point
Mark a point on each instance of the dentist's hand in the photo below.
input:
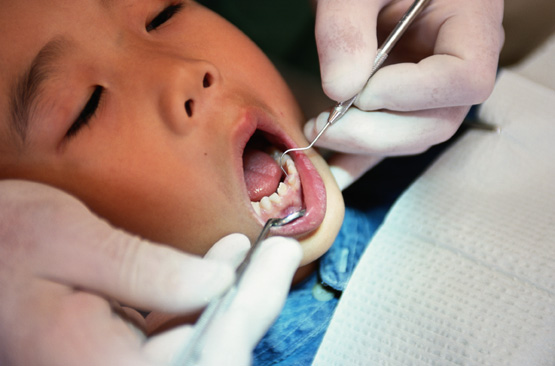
(64, 272)
(444, 63)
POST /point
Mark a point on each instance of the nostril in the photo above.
(207, 80)
(189, 107)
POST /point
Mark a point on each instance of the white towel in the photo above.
(462, 272)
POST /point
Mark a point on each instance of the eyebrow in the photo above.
(28, 86)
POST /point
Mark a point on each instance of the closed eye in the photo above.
(87, 113)
(164, 16)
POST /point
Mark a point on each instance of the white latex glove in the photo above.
(444, 63)
(63, 272)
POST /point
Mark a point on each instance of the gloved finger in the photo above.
(231, 249)
(163, 348)
(233, 335)
(265, 285)
(347, 168)
(461, 71)
(139, 273)
(387, 133)
(61, 240)
(260, 297)
(346, 41)
(149, 276)
(227, 346)
(229, 341)
(56, 332)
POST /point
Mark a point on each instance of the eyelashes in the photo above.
(91, 107)
(87, 113)
(164, 16)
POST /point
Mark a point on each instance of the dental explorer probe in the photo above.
(341, 108)
(192, 351)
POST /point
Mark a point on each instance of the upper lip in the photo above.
(254, 121)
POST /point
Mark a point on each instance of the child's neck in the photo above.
(304, 271)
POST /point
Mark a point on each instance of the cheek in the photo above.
(186, 202)
(259, 75)
(160, 206)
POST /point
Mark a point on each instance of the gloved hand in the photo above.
(64, 272)
(444, 63)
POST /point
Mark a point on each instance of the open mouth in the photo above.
(275, 194)
(272, 193)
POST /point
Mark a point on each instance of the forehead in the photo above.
(27, 25)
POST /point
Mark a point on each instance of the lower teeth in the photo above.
(288, 193)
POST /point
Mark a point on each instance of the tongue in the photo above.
(262, 174)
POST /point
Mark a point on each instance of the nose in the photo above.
(207, 81)
(185, 91)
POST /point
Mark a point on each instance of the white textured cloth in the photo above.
(462, 272)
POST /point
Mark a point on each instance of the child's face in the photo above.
(143, 109)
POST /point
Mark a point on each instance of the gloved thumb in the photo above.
(57, 238)
(346, 41)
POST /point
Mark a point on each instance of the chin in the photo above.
(319, 241)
